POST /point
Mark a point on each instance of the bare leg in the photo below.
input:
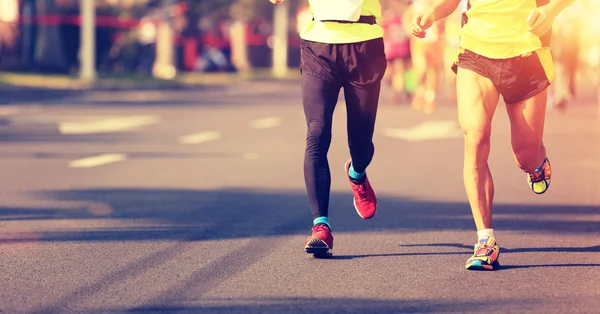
(477, 100)
(527, 129)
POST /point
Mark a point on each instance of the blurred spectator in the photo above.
(589, 43)
(565, 52)
(9, 14)
(453, 25)
(239, 47)
(427, 55)
(303, 17)
(147, 39)
(258, 31)
(8, 33)
(576, 52)
(216, 47)
(397, 48)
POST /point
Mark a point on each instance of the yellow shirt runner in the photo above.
(498, 29)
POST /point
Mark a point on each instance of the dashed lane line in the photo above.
(265, 123)
(198, 138)
(107, 124)
(98, 160)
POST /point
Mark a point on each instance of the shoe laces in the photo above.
(538, 176)
(320, 229)
(483, 249)
(361, 190)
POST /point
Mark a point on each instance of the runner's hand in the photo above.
(540, 21)
(421, 23)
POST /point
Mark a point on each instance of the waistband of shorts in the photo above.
(364, 19)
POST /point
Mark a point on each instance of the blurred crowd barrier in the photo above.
(44, 36)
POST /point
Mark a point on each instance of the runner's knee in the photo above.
(477, 141)
(318, 138)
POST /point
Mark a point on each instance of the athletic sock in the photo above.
(322, 221)
(356, 177)
(485, 234)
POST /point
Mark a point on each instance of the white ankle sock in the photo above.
(484, 234)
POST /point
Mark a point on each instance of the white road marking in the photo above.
(198, 138)
(430, 130)
(251, 155)
(106, 124)
(96, 161)
(266, 123)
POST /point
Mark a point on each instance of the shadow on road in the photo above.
(320, 305)
(50, 134)
(506, 267)
(186, 216)
(20, 94)
(506, 250)
(130, 155)
(197, 215)
(587, 249)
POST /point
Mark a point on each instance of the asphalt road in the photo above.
(194, 201)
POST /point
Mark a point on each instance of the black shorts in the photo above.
(517, 78)
(360, 64)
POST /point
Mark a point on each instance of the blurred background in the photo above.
(151, 159)
(166, 38)
(205, 36)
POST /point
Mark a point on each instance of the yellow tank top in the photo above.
(342, 33)
(498, 29)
